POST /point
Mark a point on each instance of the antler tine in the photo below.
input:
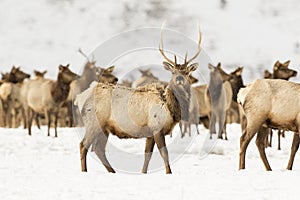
(161, 49)
(199, 48)
(185, 57)
(83, 54)
(175, 58)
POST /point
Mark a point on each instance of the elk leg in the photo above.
(222, 125)
(37, 121)
(83, 153)
(283, 134)
(29, 120)
(48, 118)
(261, 148)
(279, 140)
(212, 125)
(294, 149)
(83, 147)
(159, 139)
(24, 118)
(180, 127)
(197, 129)
(148, 153)
(55, 123)
(189, 126)
(245, 139)
(271, 138)
(100, 145)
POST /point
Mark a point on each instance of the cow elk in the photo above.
(47, 96)
(270, 103)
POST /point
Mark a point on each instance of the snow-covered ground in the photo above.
(41, 34)
(40, 167)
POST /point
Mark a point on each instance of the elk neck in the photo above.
(60, 90)
(178, 101)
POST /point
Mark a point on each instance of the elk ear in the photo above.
(239, 71)
(193, 79)
(286, 64)
(277, 64)
(61, 68)
(219, 65)
(67, 66)
(44, 72)
(192, 68)
(211, 67)
(110, 69)
(168, 66)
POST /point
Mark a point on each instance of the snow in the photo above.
(41, 167)
(43, 34)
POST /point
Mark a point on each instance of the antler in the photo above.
(83, 54)
(198, 52)
(161, 49)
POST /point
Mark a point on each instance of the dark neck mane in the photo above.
(60, 90)
(178, 102)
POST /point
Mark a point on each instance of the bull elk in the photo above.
(149, 112)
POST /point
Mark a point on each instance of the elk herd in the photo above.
(150, 108)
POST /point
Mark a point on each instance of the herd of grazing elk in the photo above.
(150, 108)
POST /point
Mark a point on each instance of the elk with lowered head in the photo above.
(148, 112)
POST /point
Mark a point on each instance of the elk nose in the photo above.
(116, 79)
(295, 73)
(179, 79)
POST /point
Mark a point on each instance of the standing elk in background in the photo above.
(218, 97)
(149, 112)
(280, 71)
(90, 73)
(274, 104)
(47, 96)
(9, 96)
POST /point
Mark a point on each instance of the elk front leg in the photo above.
(29, 120)
(48, 119)
(55, 123)
(159, 139)
(83, 152)
(294, 149)
(212, 125)
(148, 153)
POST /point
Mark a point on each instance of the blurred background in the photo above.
(41, 34)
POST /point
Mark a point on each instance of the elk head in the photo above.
(66, 75)
(281, 71)
(224, 75)
(17, 76)
(180, 81)
(180, 72)
(39, 74)
(106, 76)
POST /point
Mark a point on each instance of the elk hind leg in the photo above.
(261, 148)
(294, 149)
